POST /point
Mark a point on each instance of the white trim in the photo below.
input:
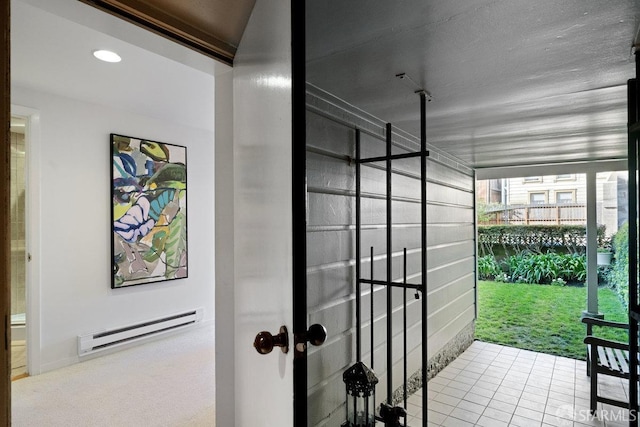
(32, 237)
(551, 169)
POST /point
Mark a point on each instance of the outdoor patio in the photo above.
(492, 385)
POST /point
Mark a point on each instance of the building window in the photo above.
(566, 177)
(532, 179)
(496, 184)
(538, 198)
(565, 197)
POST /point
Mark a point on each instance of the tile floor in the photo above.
(492, 386)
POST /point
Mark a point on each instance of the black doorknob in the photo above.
(316, 334)
(265, 341)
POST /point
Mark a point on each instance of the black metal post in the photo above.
(358, 230)
(423, 217)
(372, 323)
(299, 206)
(404, 311)
(389, 276)
(633, 99)
(372, 318)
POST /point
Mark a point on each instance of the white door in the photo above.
(262, 135)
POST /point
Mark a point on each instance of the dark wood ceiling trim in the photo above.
(167, 26)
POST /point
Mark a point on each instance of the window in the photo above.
(565, 197)
(537, 198)
(566, 177)
(532, 179)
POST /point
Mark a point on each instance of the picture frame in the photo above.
(148, 211)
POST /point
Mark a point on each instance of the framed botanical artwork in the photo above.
(149, 211)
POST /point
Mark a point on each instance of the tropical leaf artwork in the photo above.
(149, 211)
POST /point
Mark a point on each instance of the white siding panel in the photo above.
(331, 260)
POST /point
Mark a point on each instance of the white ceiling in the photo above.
(514, 82)
(53, 54)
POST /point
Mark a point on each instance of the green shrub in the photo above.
(488, 268)
(618, 275)
(547, 268)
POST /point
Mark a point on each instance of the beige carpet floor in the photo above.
(169, 382)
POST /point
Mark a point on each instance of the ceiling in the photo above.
(513, 82)
(57, 59)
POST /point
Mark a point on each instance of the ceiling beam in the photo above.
(165, 25)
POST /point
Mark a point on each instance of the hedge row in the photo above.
(515, 239)
(618, 276)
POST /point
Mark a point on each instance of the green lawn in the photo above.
(541, 317)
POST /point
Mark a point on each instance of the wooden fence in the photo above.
(564, 213)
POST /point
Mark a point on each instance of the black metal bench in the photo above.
(605, 357)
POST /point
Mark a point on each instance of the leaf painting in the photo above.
(149, 211)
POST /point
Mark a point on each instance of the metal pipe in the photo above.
(372, 320)
(358, 230)
(392, 284)
(423, 215)
(391, 157)
(633, 99)
(404, 311)
(389, 276)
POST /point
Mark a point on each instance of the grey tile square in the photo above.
(529, 413)
(449, 400)
(436, 417)
(530, 404)
(482, 391)
(455, 392)
(490, 422)
(476, 398)
(502, 406)
(509, 390)
(533, 397)
(460, 385)
(414, 410)
(514, 384)
(455, 422)
(520, 421)
(439, 380)
(487, 385)
(496, 414)
(442, 408)
(530, 389)
(435, 386)
(506, 398)
(472, 407)
(464, 415)
(561, 396)
(557, 421)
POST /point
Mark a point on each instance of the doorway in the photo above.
(18, 248)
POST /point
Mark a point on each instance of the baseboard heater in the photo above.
(91, 343)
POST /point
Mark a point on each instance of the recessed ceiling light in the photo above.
(107, 56)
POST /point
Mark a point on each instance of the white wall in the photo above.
(72, 179)
(79, 101)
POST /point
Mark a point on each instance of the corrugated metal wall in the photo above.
(331, 250)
